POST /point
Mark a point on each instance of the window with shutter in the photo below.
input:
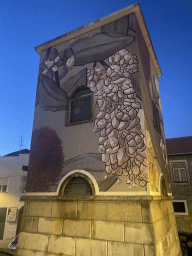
(179, 171)
(176, 175)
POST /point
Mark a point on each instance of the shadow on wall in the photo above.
(19, 218)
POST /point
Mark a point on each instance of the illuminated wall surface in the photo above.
(98, 110)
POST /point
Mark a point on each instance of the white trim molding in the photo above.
(82, 172)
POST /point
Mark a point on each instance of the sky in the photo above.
(26, 24)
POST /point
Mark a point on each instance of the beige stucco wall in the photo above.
(76, 139)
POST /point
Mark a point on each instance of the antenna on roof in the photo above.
(21, 143)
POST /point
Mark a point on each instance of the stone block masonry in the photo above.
(99, 226)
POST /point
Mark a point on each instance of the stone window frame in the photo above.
(186, 207)
(172, 173)
(68, 117)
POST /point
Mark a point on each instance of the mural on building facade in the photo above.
(93, 49)
(152, 82)
(117, 95)
(121, 141)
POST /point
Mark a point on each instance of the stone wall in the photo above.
(99, 226)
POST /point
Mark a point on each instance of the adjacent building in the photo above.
(12, 184)
(179, 152)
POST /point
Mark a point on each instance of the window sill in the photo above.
(181, 213)
(76, 123)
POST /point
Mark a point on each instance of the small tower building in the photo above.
(98, 182)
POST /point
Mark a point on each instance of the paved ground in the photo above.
(4, 243)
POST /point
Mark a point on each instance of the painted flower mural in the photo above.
(51, 95)
(103, 62)
(121, 142)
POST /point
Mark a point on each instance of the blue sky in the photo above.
(26, 24)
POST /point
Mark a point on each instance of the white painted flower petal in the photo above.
(119, 181)
(45, 71)
(54, 68)
(70, 62)
(57, 59)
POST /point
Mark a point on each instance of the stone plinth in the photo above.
(104, 226)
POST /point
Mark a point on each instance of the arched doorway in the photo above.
(77, 185)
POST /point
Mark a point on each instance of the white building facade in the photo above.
(12, 185)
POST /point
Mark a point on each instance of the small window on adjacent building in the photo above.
(80, 106)
(3, 188)
(179, 172)
(180, 207)
(3, 184)
(23, 184)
